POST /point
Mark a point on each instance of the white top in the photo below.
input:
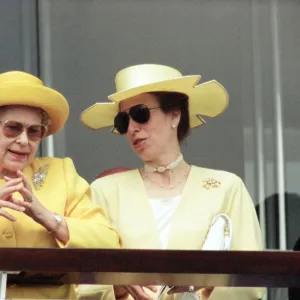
(163, 210)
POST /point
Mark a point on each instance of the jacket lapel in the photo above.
(194, 214)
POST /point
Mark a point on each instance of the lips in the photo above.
(18, 154)
(138, 142)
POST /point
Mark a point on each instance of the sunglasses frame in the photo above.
(24, 128)
(128, 112)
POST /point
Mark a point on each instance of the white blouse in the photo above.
(163, 210)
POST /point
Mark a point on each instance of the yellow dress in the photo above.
(207, 193)
(67, 194)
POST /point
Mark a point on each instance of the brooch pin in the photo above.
(39, 177)
(210, 183)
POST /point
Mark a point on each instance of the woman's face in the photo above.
(18, 152)
(155, 137)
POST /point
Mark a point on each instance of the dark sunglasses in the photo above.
(13, 129)
(139, 113)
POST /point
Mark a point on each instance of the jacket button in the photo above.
(8, 234)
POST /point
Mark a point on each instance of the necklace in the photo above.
(160, 169)
(145, 175)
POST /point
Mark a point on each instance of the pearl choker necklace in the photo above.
(161, 169)
(173, 186)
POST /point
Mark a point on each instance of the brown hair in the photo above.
(45, 120)
(172, 101)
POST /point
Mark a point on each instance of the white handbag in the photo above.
(219, 234)
(218, 238)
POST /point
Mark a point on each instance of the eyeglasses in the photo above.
(139, 113)
(34, 132)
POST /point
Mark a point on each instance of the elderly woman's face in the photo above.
(17, 152)
(156, 136)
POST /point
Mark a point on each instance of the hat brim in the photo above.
(208, 99)
(100, 115)
(47, 99)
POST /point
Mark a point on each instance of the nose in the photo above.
(132, 126)
(23, 138)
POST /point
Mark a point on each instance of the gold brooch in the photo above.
(39, 177)
(210, 183)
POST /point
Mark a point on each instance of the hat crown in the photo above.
(140, 75)
(19, 77)
(20, 88)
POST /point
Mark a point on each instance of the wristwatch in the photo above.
(58, 220)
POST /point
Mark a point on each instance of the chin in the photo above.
(145, 156)
(145, 153)
(14, 167)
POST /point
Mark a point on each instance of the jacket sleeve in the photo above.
(96, 291)
(105, 195)
(87, 224)
(246, 233)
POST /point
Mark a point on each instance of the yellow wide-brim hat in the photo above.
(20, 88)
(207, 99)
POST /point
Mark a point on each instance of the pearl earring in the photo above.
(173, 126)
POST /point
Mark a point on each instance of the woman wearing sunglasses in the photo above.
(167, 203)
(43, 201)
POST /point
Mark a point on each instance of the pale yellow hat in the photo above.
(207, 99)
(20, 88)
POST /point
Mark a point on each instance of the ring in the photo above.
(191, 289)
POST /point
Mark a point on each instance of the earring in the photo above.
(173, 126)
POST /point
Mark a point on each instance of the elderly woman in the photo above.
(43, 202)
(167, 203)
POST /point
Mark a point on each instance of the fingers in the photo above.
(25, 180)
(137, 292)
(123, 297)
(12, 181)
(26, 194)
(10, 188)
(21, 179)
(152, 288)
(20, 203)
(15, 185)
(13, 204)
(121, 292)
(7, 215)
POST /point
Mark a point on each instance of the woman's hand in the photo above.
(6, 192)
(136, 291)
(121, 292)
(32, 207)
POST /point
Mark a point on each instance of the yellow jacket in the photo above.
(67, 194)
(207, 193)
